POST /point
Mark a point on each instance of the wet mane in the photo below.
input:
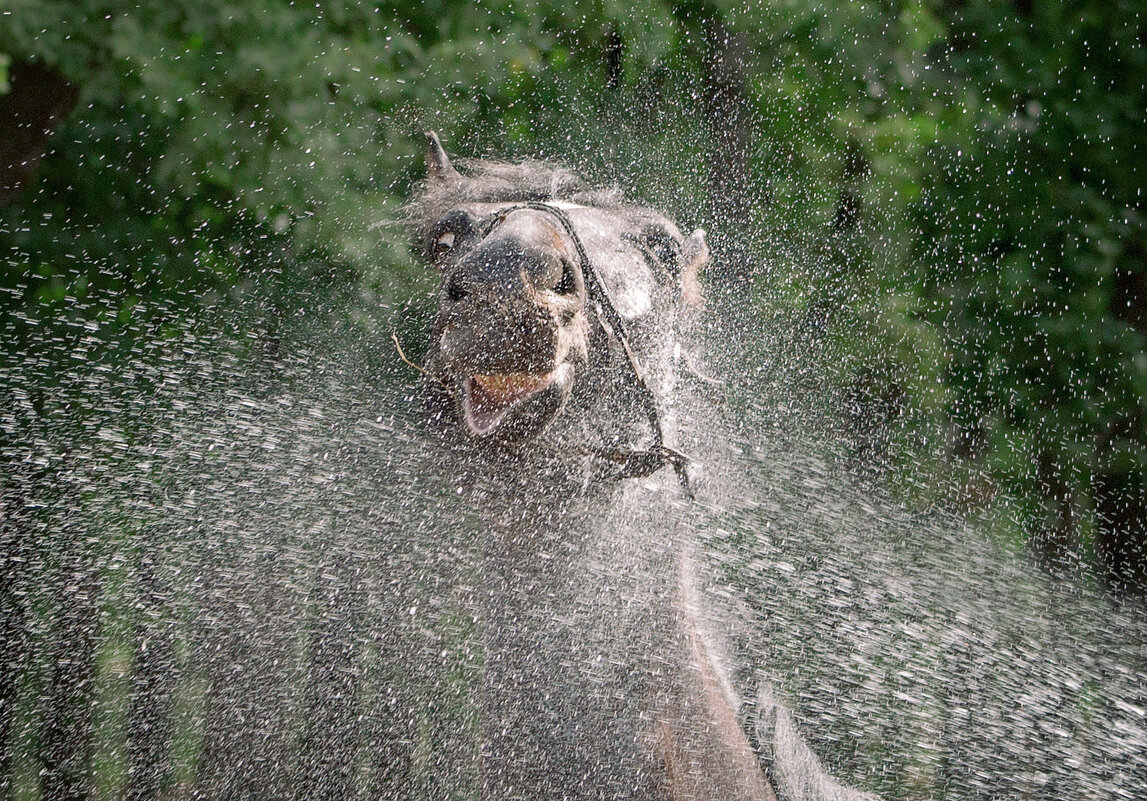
(503, 182)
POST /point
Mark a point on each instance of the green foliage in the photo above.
(945, 198)
(961, 182)
(1010, 146)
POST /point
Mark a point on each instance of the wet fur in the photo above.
(501, 182)
(685, 720)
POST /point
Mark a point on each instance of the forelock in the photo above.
(502, 182)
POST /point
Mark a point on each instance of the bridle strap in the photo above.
(633, 463)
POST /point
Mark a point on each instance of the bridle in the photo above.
(631, 462)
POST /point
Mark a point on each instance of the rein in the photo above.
(632, 462)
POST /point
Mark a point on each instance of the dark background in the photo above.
(933, 212)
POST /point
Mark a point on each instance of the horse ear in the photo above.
(694, 258)
(439, 170)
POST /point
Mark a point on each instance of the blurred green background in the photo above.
(949, 192)
(933, 212)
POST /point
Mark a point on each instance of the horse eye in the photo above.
(567, 283)
(664, 248)
(443, 243)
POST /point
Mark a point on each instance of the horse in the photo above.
(550, 372)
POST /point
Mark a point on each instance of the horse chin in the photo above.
(513, 406)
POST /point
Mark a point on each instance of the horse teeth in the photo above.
(512, 384)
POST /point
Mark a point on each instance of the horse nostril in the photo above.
(456, 289)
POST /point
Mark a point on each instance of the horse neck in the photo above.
(570, 623)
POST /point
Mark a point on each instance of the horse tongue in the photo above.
(487, 398)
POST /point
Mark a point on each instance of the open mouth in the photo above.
(487, 399)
